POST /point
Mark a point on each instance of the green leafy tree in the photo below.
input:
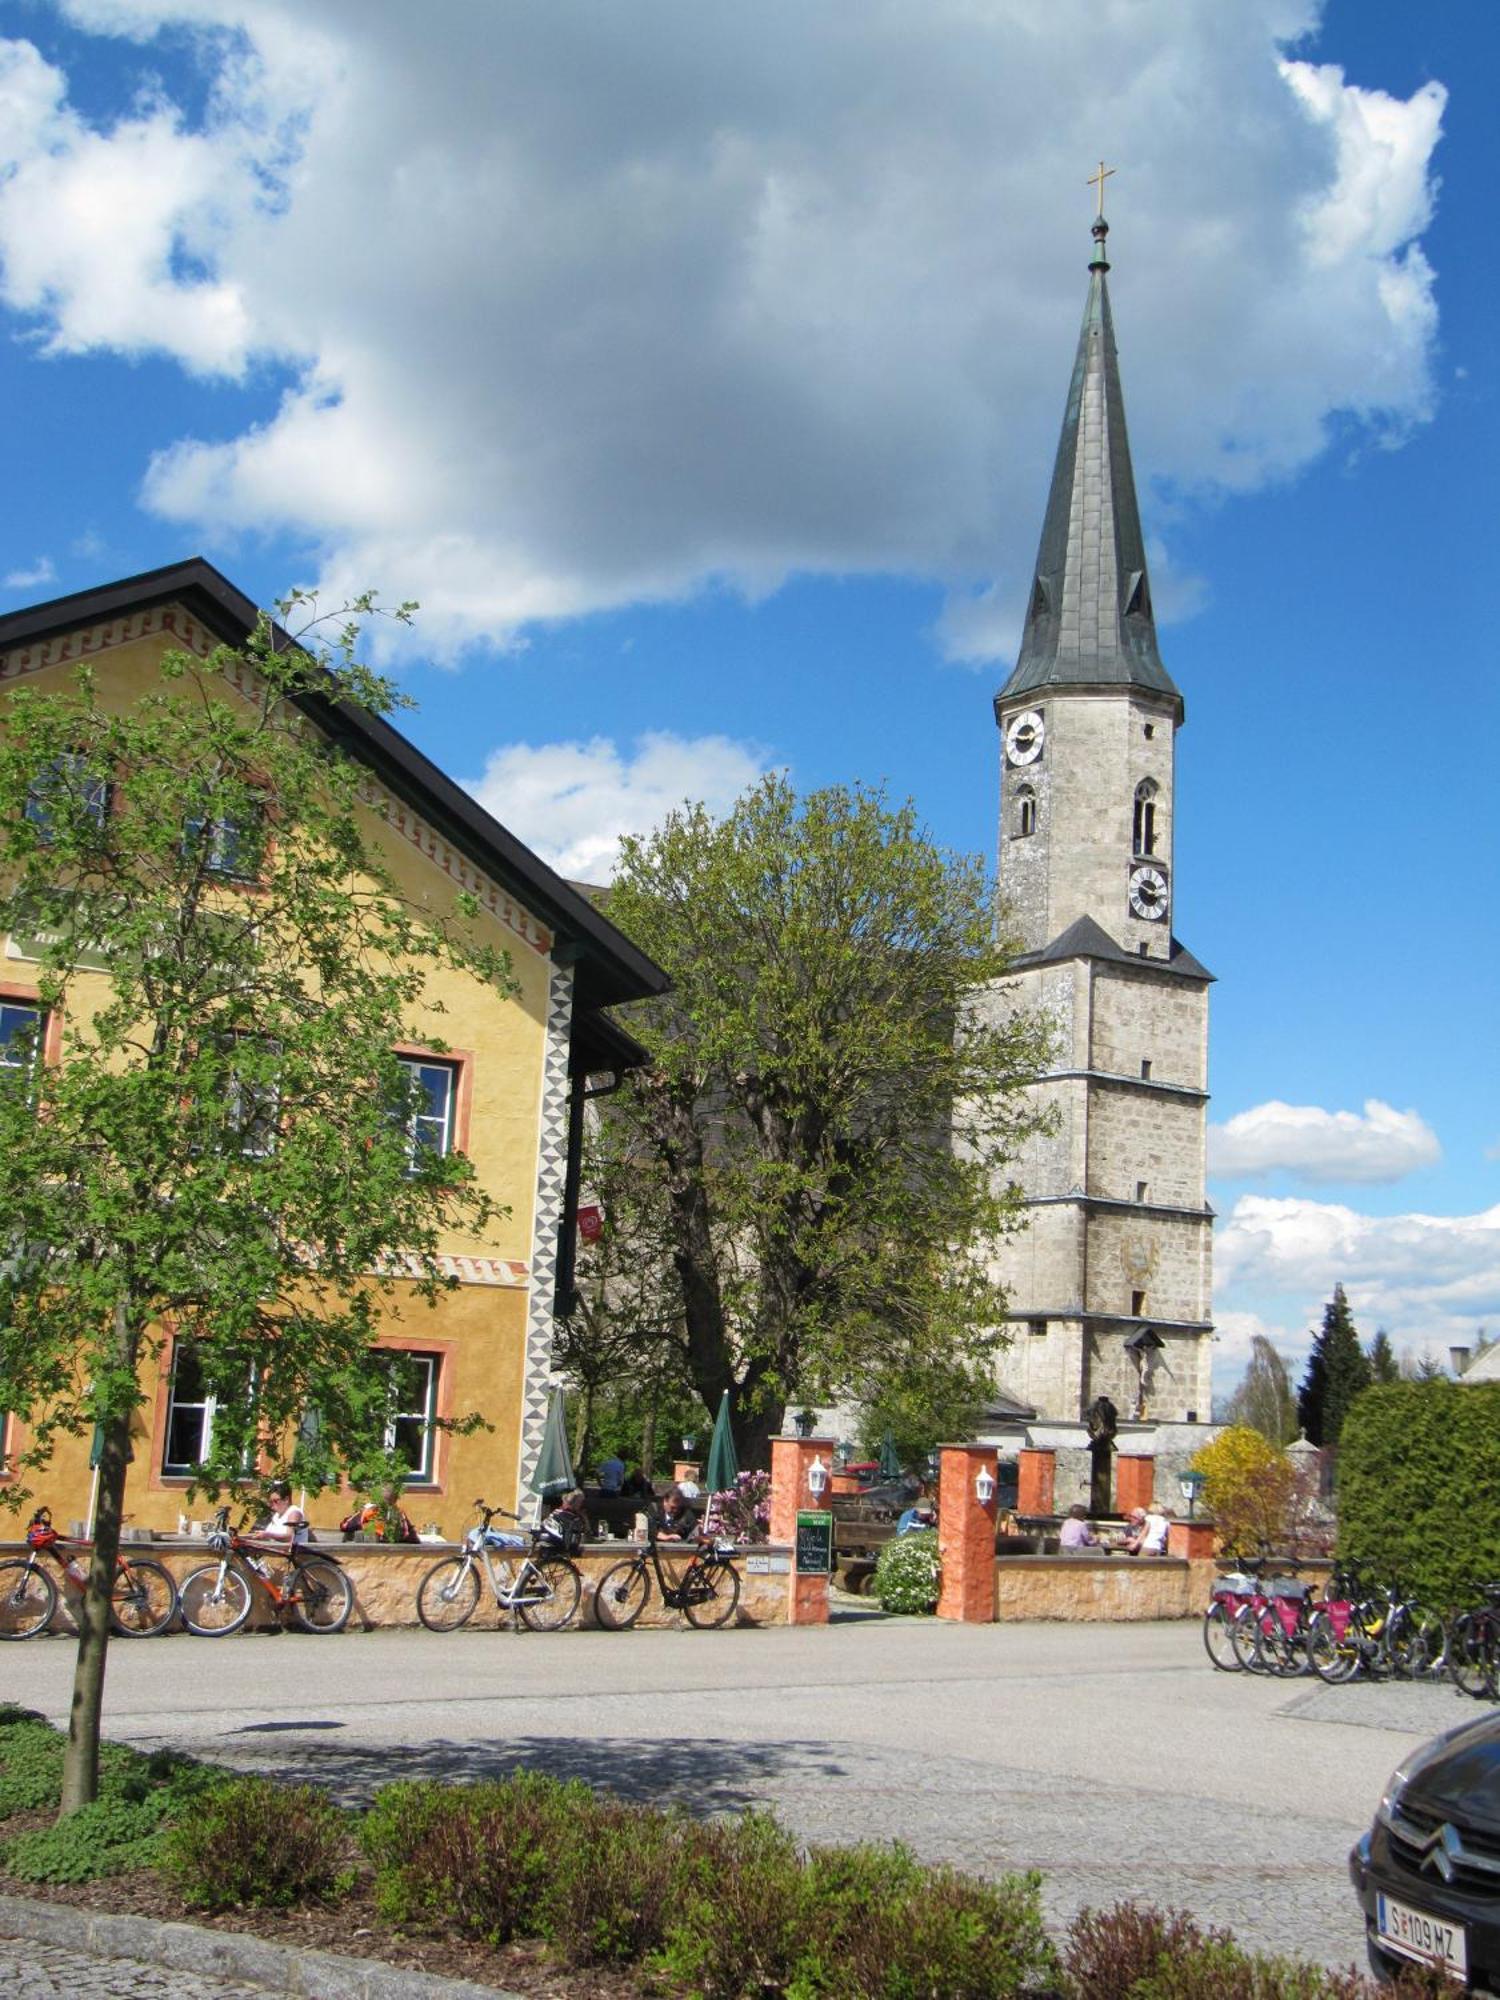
(930, 1400)
(826, 1120)
(220, 1145)
(1338, 1370)
(1384, 1367)
(1264, 1399)
(1249, 1487)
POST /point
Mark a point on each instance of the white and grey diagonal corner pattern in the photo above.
(551, 1175)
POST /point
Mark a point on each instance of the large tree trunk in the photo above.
(80, 1785)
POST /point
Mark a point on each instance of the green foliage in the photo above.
(1338, 1371)
(1264, 1400)
(1384, 1367)
(1419, 1485)
(31, 1769)
(480, 1853)
(253, 1843)
(1249, 1486)
(813, 1165)
(922, 1401)
(906, 1573)
(104, 1838)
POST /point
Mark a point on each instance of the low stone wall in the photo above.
(1100, 1589)
(385, 1580)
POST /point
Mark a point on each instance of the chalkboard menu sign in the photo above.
(815, 1544)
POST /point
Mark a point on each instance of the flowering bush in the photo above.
(906, 1574)
(1248, 1485)
(744, 1511)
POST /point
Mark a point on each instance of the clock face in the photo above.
(1023, 738)
(1148, 893)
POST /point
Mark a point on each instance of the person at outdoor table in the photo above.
(1076, 1533)
(1135, 1532)
(919, 1515)
(568, 1522)
(1154, 1537)
(679, 1518)
(612, 1475)
(287, 1520)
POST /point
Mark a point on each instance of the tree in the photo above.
(1264, 1399)
(1249, 1487)
(826, 1119)
(1338, 1370)
(1384, 1367)
(217, 1143)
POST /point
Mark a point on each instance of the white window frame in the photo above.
(419, 1121)
(207, 1405)
(423, 1472)
(265, 1114)
(71, 764)
(39, 1019)
(225, 839)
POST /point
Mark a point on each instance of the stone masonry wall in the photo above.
(1089, 1589)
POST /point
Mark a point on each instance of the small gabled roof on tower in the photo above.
(1089, 621)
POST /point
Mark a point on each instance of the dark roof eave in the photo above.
(610, 968)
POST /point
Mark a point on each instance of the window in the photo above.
(230, 847)
(1144, 836)
(20, 1039)
(1137, 1304)
(409, 1429)
(66, 784)
(4, 1442)
(190, 1416)
(1037, 1327)
(1025, 812)
(1140, 1190)
(1146, 1068)
(252, 1102)
(429, 1123)
(1150, 731)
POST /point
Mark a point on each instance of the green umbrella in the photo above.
(723, 1466)
(554, 1465)
(890, 1458)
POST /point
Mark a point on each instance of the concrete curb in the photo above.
(230, 1955)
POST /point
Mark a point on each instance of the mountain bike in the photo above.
(217, 1597)
(1269, 1632)
(706, 1593)
(543, 1589)
(142, 1603)
(1474, 1647)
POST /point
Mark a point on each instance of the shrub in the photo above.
(1409, 1453)
(614, 1883)
(738, 1925)
(253, 1843)
(1248, 1486)
(104, 1838)
(906, 1573)
(31, 1763)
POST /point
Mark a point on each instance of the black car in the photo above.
(1428, 1871)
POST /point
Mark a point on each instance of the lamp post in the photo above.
(1191, 1485)
(817, 1479)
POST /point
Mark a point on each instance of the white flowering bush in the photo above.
(906, 1574)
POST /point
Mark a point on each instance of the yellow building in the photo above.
(506, 1086)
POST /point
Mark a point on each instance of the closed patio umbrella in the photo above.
(890, 1458)
(554, 1465)
(723, 1466)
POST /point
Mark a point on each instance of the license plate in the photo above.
(1430, 1940)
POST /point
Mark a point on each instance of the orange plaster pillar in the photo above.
(791, 1460)
(1036, 1480)
(1192, 1540)
(1134, 1480)
(966, 1533)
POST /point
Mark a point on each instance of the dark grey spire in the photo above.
(1089, 622)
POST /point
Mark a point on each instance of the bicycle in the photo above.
(1386, 1631)
(1269, 1632)
(543, 1590)
(707, 1592)
(142, 1603)
(216, 1598)
(1473, 1656)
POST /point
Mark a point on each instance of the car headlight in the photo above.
(1395, 1786)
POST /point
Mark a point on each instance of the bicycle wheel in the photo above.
(1218, 1641)
(1333, 1659)
(448, 1594)
(143, 1601)
(215, 1600)
(1246, 1635)
(28, 1598)
(321, 1596)
(710, 1592)
(1416, 1642)
(550, 1589)
(1471, 1654)
(622, 1594)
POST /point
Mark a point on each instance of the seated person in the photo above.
(1135, 1532)
(1154, 1537)
(568, 1523)
(611, 1477)
(288, 1523)
(679, 1517)
(1076, 1535)
(920, 1515)
(636, 1486)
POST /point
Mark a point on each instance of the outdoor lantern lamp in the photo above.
(1191, 1485)
(984, 1486)
(687, 1445)
(817, 1479)
(804, 1421)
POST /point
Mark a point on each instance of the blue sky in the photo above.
(700, 374)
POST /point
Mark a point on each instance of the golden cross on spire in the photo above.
(1100, 178)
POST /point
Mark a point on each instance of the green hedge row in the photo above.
(1419, 1486)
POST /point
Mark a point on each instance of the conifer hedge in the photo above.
(1419, 1486)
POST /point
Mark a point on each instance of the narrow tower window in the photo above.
(1137, 1304)
(1145, 817)
(1145, 1066)
(1025, 812)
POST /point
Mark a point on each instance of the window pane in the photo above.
(20, 1036)
(189, 1414)
(230, 847)
(65, 782)
(410, 1429)
(430, 1127)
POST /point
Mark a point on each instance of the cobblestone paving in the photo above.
(30, 1971)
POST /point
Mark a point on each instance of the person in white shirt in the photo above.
(1154, 1541)
(287, 1522)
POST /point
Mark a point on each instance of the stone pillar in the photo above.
(791, 1460)
(1036, 1482)
(684, 1469)
(1192, 1540)
(966, 1534)
(1134, 1480)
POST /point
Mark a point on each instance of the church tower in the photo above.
(1109, 1283)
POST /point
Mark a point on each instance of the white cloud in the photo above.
(1380, 1144)
(1430, 1280)
(592, 308)
(572, 802)
(30, 575)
